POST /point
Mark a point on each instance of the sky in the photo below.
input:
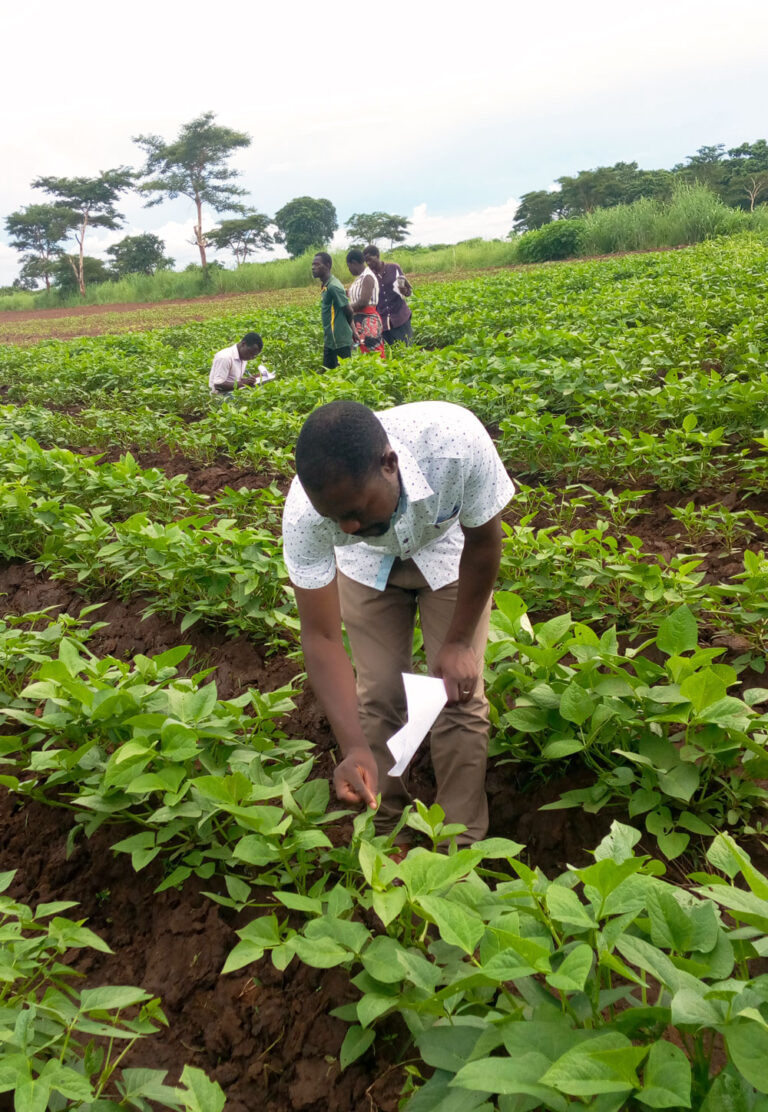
(440, 112)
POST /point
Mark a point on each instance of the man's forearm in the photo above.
(478, 570)
(330, 672)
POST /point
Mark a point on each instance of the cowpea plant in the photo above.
(605, 988)
(666, 739)
(62, 1048)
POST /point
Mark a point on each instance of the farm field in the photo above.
(165, 766)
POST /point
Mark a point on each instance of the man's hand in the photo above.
(456, 664)
(356, 778)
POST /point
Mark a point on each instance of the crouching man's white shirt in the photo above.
(227, 368)
(451, 475)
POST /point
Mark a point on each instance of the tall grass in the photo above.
(692, 214)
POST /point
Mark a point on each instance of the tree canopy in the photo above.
(143, 254)
(39, 231)
(304, 223)
(243, 235)
(92, 202)
(194, 165)
(367, 227)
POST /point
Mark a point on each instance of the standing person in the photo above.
(335, 313)
(388, 513)
(228, 367)
(363, 295)
(394, 287)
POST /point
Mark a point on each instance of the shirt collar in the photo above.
(415, 486)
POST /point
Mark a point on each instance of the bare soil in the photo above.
(265, 1036)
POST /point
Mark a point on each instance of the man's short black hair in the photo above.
(372, 249)
(340, 440)
(252, 340)
(355, 256)
(324, 257)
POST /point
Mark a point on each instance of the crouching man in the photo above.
(391, 513)
(228, 366)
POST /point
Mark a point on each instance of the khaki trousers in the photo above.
(380, 629)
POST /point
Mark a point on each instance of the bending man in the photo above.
(388, 513)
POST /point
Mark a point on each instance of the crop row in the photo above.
(527, 991)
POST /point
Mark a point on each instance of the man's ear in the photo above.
(389, 461)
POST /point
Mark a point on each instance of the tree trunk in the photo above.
(199, 239)
(81, 271)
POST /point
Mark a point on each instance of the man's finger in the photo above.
(367, 794)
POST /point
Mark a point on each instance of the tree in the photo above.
(243, 235)
(66, 272)
(91, 201)
(367, 227)
(305, 222)
(194, 166)
(40, 231)
(708, 166)
(536, 209)
(141, 254)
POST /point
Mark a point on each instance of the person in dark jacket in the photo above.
(394, 287)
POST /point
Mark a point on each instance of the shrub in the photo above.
(558, 240)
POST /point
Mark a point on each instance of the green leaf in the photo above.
(244, 953)
(672, 845)
(618, 844)
(565, 907)
(356, 1042)
(747, 1044)
(605, 1064)
(320, 953)
(456, 924)
(691, 1008)
(678, 633)
(110, 998)
(680, 782)
(730, 1092)
(529, 720)
(521, 1074)
(576, 705)
(561, 747)
(703, 689)
(202, 1094)
(388, 904)
(571, 975)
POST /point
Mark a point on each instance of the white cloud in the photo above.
(493, 222)
(10, 261)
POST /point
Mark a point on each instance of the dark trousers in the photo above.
(331, 356)
(403, 334)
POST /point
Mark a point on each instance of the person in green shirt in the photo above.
(335, 312)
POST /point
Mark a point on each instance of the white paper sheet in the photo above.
(425, 697)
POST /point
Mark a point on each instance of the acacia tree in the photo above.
(243, 235)
(142, 254)
(305, 222)
(194, 165)
(92, 203)
(367, 227)
(40, 230)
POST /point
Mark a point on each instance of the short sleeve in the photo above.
(487, 486)
(307, 543)
(338, 296)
